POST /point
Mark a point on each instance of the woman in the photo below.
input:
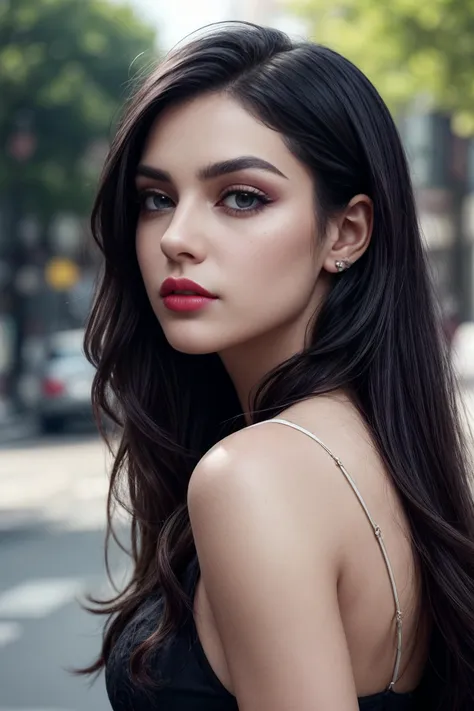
(302, 523)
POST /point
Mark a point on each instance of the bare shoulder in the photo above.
(278, 468)
(277, 465)
(270, 447)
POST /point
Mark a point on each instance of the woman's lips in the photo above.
(180, 284)
(195, 296)
(186, 302)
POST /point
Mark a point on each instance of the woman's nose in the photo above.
(184, 237)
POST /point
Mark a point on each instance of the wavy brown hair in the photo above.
(378, 337)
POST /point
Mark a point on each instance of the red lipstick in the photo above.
(184, 295)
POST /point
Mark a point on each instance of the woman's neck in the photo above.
(247, 364)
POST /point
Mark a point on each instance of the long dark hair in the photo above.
(378, 337)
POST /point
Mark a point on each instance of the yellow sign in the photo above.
(61, 274)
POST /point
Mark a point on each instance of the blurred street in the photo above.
(52, 513)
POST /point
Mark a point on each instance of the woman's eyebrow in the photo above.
(235, 164)
(214, 170)
(146, 171)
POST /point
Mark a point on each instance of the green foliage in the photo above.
(407, 48)
(65, 68)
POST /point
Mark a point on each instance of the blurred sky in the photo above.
(176, 18)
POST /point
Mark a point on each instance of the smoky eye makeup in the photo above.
(150, 200)
(243, 199)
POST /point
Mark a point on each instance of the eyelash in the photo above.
(236, 190)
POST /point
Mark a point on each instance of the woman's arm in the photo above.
(269, 564)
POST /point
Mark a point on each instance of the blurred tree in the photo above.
(414, 50)
(406, 47)
(65, 67)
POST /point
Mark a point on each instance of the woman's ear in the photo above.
(351, 235)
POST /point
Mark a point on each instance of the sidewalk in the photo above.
(14, 426)
(60, 483)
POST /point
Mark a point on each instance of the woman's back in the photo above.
(317, 492)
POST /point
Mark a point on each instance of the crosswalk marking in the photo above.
(38, 598)
(9, 632)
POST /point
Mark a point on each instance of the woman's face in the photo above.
(225, 204)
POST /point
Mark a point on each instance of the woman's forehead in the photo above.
(211, 129)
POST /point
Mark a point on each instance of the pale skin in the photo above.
(294, 606)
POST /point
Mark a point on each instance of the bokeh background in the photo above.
(66, 67)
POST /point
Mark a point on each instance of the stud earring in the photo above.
(342, 265)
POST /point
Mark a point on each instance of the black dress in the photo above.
(188, 681)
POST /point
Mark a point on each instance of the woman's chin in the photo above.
(192, 348)
(192, 344)
(201, 339)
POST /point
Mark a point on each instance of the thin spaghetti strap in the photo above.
(377, 532)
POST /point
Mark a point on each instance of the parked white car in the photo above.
(65, 382)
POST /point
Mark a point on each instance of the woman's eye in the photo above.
(155, 202)
(244, 201)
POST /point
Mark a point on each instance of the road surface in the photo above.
(52, 517)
